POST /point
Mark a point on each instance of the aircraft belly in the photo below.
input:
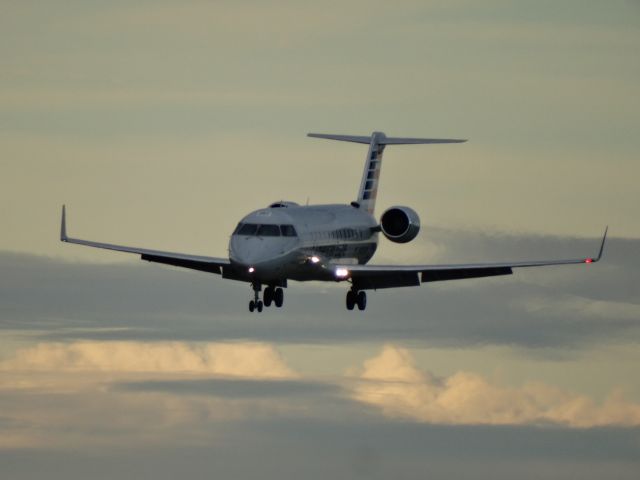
(361, 252)
(356, 252)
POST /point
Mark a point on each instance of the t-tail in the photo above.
(368, 190)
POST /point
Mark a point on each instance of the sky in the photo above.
(161, 123)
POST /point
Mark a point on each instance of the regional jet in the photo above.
(331, 243)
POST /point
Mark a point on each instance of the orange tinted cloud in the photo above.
(245, 360)
(392, 382)
(58, 395)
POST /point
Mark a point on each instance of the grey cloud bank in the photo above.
(357, 450)
(568, 306)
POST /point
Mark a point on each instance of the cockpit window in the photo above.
(288, 231)
(253, 229)
(268, 231)
(246, 229)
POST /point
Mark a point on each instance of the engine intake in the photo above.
(400, 224)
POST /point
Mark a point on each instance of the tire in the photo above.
(351, 299)
(278, 297)
(268, 296)
(252, 306)
(259, 305)
(362, 300)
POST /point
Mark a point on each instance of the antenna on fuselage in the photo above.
(368, 190)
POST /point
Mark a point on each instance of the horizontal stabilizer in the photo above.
(416, 141)
(384, 140)
(343, 138)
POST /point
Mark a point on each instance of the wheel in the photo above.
(278, 297)
(268, 296)
(351, 299)
(362, 300)
(259, 305)
(252, 306)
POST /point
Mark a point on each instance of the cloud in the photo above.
(66, 401)
(244, 360)
(232, 388)
(90, 393)
(391, 381)
(581, 307)
(572, 306)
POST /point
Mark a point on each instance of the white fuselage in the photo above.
(288, 241)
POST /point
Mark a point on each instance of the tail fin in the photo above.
(371, 175)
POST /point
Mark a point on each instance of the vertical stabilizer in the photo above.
(371, 174)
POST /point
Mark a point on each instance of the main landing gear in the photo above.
(271, 295)
(355, 297)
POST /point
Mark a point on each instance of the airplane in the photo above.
(334, 243)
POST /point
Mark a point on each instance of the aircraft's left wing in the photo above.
(387, 276)
(193, 262)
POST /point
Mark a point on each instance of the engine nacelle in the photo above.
(400, 224)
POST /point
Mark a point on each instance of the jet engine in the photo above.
(400, 224)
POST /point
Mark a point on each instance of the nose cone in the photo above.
(257, 251)
(248, 250)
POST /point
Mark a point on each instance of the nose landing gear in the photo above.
(256, 303)
(355, 297)
(271, 295)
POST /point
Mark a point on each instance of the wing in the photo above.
(387, 276)
(194, 262)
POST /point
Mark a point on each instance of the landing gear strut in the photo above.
(256, 303)
(272, 294)
(355, 297)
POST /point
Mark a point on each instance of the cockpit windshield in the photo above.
(246, 229)
(268, 231)
(265, 230)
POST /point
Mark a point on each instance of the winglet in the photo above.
(63, 225)
(604, 237)
(596, 259)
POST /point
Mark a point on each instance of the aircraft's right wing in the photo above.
(387, 276)
(193, 262)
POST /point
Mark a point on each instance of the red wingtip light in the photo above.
(588, 260)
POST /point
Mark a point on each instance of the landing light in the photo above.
(342, 272)
(588, 260)
(314, 259)
(251, 269)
